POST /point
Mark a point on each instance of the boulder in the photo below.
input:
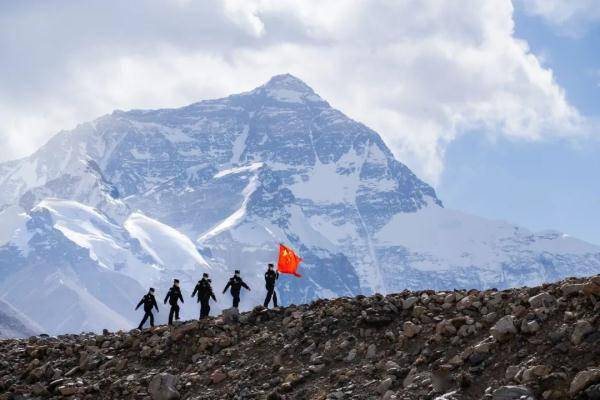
(184, 329)
(410, 329)
(512, 393)
(542, 299)
(231, 315)
(503, 328)
(163, 387)
(583, 379)
(581, 330)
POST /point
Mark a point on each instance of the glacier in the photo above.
(137, 198)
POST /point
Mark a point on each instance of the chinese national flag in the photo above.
(288, 261)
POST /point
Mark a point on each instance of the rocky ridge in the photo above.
(525, 343)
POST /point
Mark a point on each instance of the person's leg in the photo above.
(236, 300)
(151, 319)
(207, 309)
(177, 311)
(171, 312)
(268, 298)
(202, 308)
(274, 298)
(143, 321)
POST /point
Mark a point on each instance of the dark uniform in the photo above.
(271, 277)
(148, 301)
(173, 295)
(205, 292)
(236, 283)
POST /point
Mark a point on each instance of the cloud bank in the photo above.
(419, 72)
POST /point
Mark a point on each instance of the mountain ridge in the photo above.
(523, 343)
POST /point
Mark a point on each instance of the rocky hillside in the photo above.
(527, 343)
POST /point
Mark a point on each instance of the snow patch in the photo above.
(238, 170)
(239, 214)
(165, 244)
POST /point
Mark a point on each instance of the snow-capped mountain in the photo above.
(14, 324)
(136, 198)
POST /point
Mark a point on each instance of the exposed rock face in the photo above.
(411, 345)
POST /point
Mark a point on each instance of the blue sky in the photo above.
(545, 184)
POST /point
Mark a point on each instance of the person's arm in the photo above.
(140, 303)
(195, 290)
(276, 275)
(155, 305)
(245, 286)
(167, 296)
(227, 286)
(212, 294)
(180, 296)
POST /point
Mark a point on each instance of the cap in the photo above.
(237, 271)
(205, 275)
(270, 265)
(175, 280)
(152, 289)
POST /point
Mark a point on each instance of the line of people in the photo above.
(204, 292)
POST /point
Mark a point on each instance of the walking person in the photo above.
(236, 283)
(173, 296)
(205, 292)
(271, 277)
(148, 301)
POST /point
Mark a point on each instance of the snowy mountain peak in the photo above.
(287, 88)
(137, 198)
(288, 81)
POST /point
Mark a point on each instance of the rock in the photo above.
(39, 390)
(581, 330)
(372, 352)
(384, 385)
(163, 387)
(530, 327)
(583, 379)
(182, 330)
(464, 303)
(68, 390)
(570, 289)
(351, 355)
(504, 328)
(511, 372)
(593, 392)
(535, 372)
(231, 315)
(217, 377)
(512, 393)
(410, 329)
(542, 299)
(409, 302)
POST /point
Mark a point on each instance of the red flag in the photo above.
(288, 261)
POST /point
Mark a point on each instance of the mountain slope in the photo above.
(518, 344)
(14, 324)
(153, 195)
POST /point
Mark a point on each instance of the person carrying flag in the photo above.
(271, 277)
(148, 301)
(236, 283)
(205, 292)
(173, 295)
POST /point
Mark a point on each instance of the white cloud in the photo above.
(419, 72)
(570, 17)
